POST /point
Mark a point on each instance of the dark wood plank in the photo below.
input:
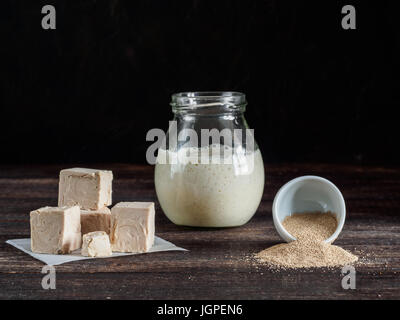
(217, 266)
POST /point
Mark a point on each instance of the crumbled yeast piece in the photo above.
(55, 230)
(96, 244)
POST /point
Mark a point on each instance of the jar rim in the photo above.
(205, 99)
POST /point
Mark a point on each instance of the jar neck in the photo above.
(209, 104)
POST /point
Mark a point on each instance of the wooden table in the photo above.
(216, 266)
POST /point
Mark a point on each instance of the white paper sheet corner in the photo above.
(57, 259)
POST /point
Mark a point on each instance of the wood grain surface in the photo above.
(216, 265)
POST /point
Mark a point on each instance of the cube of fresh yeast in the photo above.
(132, 226)
(56, 230)
(96, 244)
(95, 220)
(89, 188)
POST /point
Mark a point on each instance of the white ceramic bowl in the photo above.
(308, 194)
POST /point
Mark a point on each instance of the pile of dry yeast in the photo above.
(309, 250)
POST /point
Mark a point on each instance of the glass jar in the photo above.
(209, 170)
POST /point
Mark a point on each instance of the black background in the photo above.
(91, 89)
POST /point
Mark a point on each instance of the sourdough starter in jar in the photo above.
(210, 195)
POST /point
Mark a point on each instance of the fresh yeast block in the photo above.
(132, 226)
(96, 244)
(88, 188)
(55, 230)
(96, 220)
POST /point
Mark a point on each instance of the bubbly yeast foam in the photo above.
(222, 193)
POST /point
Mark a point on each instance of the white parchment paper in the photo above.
(56, 259)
